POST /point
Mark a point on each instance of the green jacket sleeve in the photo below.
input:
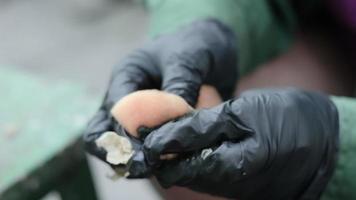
(343, 183)
(263, 28)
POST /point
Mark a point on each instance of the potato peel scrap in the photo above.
(118, 148)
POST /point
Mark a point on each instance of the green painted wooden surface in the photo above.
(39, 118)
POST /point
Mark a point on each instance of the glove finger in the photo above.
(203, 52)
(184, 73)
(204, 128)
(99, 124)
(179, 172)
(136, 72)
(206, 168)
(137, 167)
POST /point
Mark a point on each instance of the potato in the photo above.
(148, 108)
(151, 108)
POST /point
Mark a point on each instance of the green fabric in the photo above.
(343, 183)
(260, 33)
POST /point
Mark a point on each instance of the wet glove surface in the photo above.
(267, 144)
(179, 63)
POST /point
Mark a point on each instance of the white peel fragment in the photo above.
(206, 152)
(118, 148)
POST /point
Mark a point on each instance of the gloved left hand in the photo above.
(267, 144)
(180, 62)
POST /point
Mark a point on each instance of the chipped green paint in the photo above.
(38, 119)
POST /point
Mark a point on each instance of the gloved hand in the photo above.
(180, 62)
(267, 144)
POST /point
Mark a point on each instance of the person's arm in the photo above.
(263, 28)
(343, 182)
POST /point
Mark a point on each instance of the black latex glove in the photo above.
(179, 63)
(267, 144)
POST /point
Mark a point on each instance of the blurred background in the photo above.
(70, 39)
(77, 41)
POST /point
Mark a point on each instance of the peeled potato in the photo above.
(148, 108)
(151, 108)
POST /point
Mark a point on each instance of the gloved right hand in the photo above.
(179, 63)
(266, 144)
